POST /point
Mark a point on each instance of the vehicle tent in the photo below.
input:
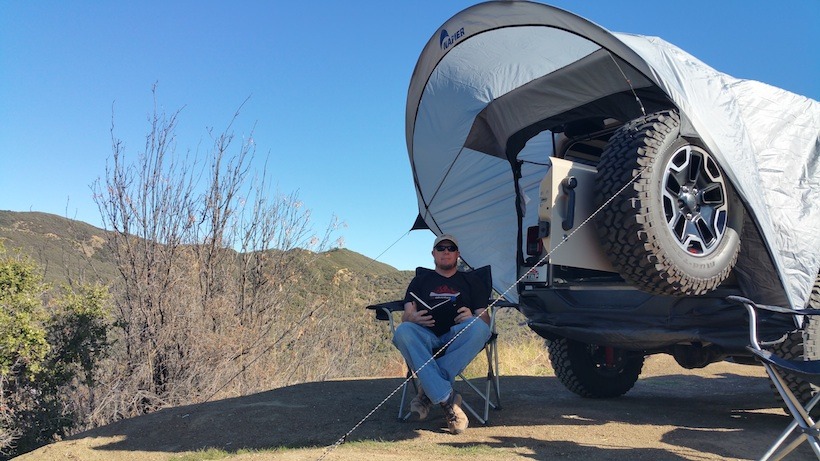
(496, 79)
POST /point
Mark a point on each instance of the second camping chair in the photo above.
(803, 427)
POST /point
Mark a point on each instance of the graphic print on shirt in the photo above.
(444, 292)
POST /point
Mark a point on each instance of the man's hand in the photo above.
(483, 314)
(421, 317)
(463, 314)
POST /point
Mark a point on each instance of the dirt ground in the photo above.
(722, 412)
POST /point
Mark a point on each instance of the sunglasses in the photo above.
(450, 248)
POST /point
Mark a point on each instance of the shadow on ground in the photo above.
(726, 413)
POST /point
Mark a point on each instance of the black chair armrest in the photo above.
(383, 310)
(501, 302)
(778, 309)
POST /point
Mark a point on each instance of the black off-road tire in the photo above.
(811, 331)
(792, 349)
(805, 345)
(582, 368)
(675, 229)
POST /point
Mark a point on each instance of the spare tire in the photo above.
(671, 221)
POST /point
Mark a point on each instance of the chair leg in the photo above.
(769, 455)
(492, 379)
(408, 380)
(495, 377)
(468, 407)
(808, 428)
(487, 390)
(490, 387)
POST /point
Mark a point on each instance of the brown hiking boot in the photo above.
(420, 407)
(457, 421)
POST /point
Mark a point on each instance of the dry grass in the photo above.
(521, 352)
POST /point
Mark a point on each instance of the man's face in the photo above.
(445, 255)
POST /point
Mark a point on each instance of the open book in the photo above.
(443, 312)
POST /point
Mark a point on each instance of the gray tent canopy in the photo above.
(498, 80)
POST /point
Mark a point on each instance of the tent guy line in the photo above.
(628, 82)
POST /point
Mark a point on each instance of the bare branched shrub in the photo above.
(208, 267)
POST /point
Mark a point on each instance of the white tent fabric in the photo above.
(504, 72)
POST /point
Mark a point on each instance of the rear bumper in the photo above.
(629, 319)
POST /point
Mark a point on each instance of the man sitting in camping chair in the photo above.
(440, 307)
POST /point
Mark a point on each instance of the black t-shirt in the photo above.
(445, 295)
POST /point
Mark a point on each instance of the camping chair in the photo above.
(490, 396)
(808, 370)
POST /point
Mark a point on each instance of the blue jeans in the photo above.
(416, 344)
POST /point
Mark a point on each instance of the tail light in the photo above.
(534, 243)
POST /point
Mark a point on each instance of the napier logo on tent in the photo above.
(446, 40)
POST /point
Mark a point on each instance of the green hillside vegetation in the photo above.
(302, 320)
(318, 328)
(69, 251)
(66, 250)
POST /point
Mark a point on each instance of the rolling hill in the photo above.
(69, 250)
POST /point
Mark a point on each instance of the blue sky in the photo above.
(327, 83)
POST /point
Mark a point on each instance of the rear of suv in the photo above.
(637, 237)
